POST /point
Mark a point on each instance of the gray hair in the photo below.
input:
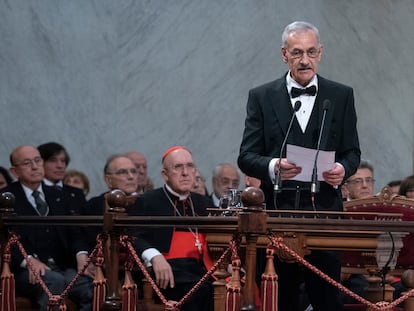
(217, 169)
(298, 26)
(366, 164)
(110, 159)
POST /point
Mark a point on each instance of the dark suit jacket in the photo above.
(59, 242)
(269, 111)
(155, 203)
(75, 198)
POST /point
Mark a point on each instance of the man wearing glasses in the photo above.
(119, 173)
(361, 184)
(358, 186)
(54, 252)
(317, 101)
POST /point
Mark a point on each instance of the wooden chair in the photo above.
(395, 252)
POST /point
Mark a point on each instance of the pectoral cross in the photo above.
(199, 245)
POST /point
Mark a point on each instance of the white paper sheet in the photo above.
(305, 158)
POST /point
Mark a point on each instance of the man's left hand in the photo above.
(334, 176)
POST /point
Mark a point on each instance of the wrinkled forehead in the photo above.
(120, 163)
(306, 38)
(25, 152)
(137, 157)
(180, 156)
(362, 173)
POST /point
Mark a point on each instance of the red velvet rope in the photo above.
(170, 305)
(54, 300)
(277, 242)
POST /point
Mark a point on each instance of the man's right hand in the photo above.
(288, 170)
(38, 267)
(163, 272)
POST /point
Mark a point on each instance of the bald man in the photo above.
(144, 182)
(55, 252)
(178, 256)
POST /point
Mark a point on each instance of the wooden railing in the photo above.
(302, 233)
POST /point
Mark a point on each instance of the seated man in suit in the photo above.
(358, 186)
(179, 257)
(53, 251)
(144, 182)
(225, 177)
(119, 173)
(55, 161)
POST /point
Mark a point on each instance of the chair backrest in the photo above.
(384, 205)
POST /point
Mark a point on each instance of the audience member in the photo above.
(407, 187)
(225, 177)
(55, 161)
(144, 182)
(269, 109)
(54, 252)
(199, 184)
(5, 178)
(179, 256)
(407, 190)
(119, 173)
(361, 184)
(77, 179)
(395, 186)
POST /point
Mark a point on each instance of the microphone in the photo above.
(315, 183)
(278, 180)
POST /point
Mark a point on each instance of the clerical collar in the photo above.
(292, 83)
(181, 197)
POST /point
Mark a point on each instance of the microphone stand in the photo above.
(278, 179)
(315, 186)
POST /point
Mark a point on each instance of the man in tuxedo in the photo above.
(54, 252)
(270, 108)
(178, 256)
(55, 162)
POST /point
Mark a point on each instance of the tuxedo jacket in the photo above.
(156, 203)
(46, 241)
(269, 111)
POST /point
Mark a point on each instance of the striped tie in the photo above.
(41, 205)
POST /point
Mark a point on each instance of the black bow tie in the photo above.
(295, 92)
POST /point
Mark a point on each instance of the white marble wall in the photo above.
(106, 76)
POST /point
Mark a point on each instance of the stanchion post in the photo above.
(252, 223)
(115, 201)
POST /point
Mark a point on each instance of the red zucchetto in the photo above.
(171, 149)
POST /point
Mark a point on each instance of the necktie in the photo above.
(41, 205)
(295, 92)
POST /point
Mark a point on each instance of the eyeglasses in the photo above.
(312, 53)
(179, 167)
(360, 181)
(28, 163)
(228, 182)
(124, 172)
